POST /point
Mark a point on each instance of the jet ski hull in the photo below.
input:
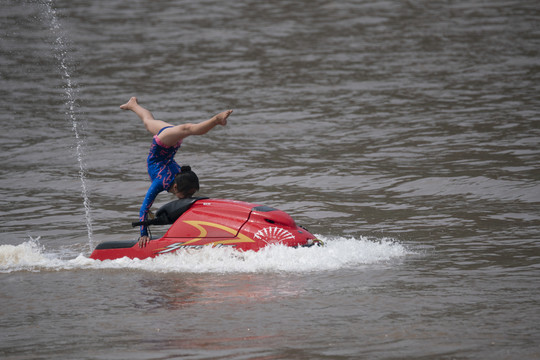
(216, 223)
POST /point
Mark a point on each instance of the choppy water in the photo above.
(405, 134)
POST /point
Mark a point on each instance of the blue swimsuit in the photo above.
(162, 169)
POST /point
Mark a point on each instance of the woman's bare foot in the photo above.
(130, 104)
(221, 118)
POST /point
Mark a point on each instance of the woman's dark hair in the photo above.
(186, 181)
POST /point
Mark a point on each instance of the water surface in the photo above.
(404, 134)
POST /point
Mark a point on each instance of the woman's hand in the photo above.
(143, 240)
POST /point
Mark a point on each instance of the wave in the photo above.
(338, 253)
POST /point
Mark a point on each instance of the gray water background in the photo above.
(411, 120)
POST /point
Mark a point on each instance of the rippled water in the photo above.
(405, 134)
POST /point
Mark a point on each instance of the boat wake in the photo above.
(338, 253)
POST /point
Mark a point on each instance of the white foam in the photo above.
(338, 253)
(26, 256)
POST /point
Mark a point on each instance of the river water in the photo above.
(403, 133)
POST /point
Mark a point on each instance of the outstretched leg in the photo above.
(172, 135)
(151, 124)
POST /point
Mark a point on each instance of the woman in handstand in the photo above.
(164, 172)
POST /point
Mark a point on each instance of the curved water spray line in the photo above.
(70, 95)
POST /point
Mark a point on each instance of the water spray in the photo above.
(70, 90)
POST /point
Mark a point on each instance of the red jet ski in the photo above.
(198, 222)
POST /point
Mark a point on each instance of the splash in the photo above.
(70, 93)
(26, 256)
(338, 253)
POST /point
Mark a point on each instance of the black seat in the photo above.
(173, 210)
(168, 213)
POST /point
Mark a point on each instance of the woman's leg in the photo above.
(172, 135)
(151, 124)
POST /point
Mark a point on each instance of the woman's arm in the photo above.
(151, 194)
